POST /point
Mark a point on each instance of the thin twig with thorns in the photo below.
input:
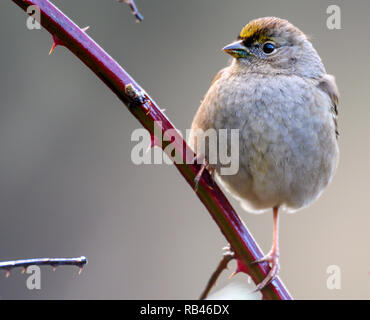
(54, 262)
(134, 9)
(226, 258)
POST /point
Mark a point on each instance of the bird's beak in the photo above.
(237, 49)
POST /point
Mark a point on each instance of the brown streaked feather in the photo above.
(328, 85)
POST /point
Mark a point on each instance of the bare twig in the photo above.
(134, 9)
(156, 122)
(226, 258)
(54, 262)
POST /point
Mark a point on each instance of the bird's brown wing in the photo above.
(328, 85)
(218, 76)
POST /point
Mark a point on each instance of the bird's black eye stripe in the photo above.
(268, 47)
(248, 42)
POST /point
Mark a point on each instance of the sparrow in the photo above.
(277, 93)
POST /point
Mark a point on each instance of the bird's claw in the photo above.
(273, 260)
(200, 173)
(198, 177)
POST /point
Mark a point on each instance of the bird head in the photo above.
(274, 46)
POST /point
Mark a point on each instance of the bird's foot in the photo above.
(273, 259)
(211, 171)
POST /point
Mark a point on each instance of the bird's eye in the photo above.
(268, 47)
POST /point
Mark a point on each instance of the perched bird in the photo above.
(277, 93)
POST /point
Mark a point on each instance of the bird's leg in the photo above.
(273, 256)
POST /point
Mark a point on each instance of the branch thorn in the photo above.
(150, 106)
(56, 42)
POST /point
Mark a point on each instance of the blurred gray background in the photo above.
(68, 186)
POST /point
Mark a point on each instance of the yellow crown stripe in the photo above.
(254, 30)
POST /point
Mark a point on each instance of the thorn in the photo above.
(7, 273)
(56, 42)
(52, 48)
(85, 29)
(163, 110)
(23, 270)
(80, 270)
(233, 274)
(54, 268)
(150, 107)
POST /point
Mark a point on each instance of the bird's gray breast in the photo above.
(287, 145)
